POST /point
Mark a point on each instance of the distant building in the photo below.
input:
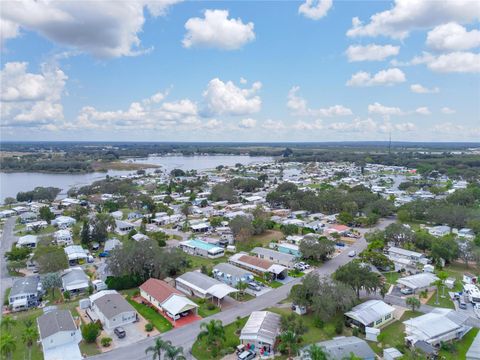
(25, 293)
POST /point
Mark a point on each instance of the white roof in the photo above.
(404, 252)
(177, 304)
(69, 351)
(75, 252)
(27, 239)
(262, 326)
(221, 290)
(276, 269)
(370, 311)
(418, 281)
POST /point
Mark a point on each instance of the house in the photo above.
(63, 237)
(25, 293)
(59, 335)
(418, 282)
(6, 213)
(337, 228)
(261, 331)
(277, 257)
(123, 227)
(140, 237)
(27, 241)
(405, 259)
(391, 354)
(62, 222)
(466, 233)
(343, 346)
(41, 224)
(439, 231)
(201, 248)
(111, 244)
(75, 280)
(230, 274)
(112, 309)
(372, 313)
(166, 298)
(117, 215)
(28, 216)
(287, 248)
(258, 265)
(76, 254)
(200, 227)
(439, 325)
(194, 283)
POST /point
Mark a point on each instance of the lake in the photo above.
(12, 183)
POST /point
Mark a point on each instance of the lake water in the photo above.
(12, 183)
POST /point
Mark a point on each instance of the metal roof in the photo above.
(473, 352)
(26, 285)
(370, 311)
(55, 321)
(177, 304)
(342, 347)
(231, 270)
(418, 281)
(263, 326)
(205, 284)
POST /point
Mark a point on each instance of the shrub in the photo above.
(201, 301)
(339, 327)
(329, 330)
(355, 331)
(123, 282)
(106, 341)
(66, 295)
(148, 327)
(211, 306)
(90, 332)
(319, 323)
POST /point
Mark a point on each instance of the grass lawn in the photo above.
(275, 284)
(460, 348)
(260, 240)
(393, 334)
(391, 277)
(151, 315)
(315, 334)
(202, 351)
(205, 307)
(456, 270)
(243, 297)
(295, 274)
(196, 262)
(443, 302)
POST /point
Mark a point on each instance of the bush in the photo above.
(66, 295)
(319, 323)
(339, 327)
(90, 332)
(123, 282)
(211, 306)
(329, 330)
(106, 341)
(355, 331)
(201, 301)
(148, 327)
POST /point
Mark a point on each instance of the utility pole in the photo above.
(389, 142)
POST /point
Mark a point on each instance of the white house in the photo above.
(28, 241)
(62, 222)
(63, 237)
(261, 330)
(59, 335)
(371, 313)
(112, 309)
(418, 282)
(75, 280)
(439, 231)
(194, 283)
(76, 253)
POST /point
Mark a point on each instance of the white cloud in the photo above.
(225, 98)
(315, 9)
(299, 106)
(248, 123)
(303, 125)
(215, 30)
(452, 37)
(383, 77)
(408, 15)
(420, 89)
(377, 108)
(460, 62)
(357, 125)
(213, 124)
(30, 98)
(273, 125)
(8, 30)
(371, 52)
(104, 29)
(405, 127)
(423, 111)
(446, 110)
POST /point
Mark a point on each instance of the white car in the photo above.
(352, 253)
(174, 317)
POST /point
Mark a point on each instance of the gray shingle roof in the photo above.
(339, 348)
(26, 285)
(112, 304)
(231, 269)
(55, 321)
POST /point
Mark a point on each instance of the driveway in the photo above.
(134, 335)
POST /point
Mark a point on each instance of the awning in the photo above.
(276, 269)
(177, 304)
(221, 290)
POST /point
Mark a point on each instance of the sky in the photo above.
(310, 70)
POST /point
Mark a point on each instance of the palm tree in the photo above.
(442, 275)
(438, 283)
(289, 343)
(241, 286)
(29, 336)
(7, 346)
(413, 302)
(28, 323)
(157, 348)
(174, 353)
(8, 322)
(316, 352)
(213, 331)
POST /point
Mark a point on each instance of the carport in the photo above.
(219, 291)
(176, 305)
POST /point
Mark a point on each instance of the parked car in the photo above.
(120, 332)
(185, 313)
(246, 355)
(171, 316)
(406, 291)
(305, 265)
(299, 267)
(352, 253)
(461, 303)
(254, 286)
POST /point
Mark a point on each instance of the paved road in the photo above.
(186, 336)
(6, 243)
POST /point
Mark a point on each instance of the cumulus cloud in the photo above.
(248, 123)
(452, 37)
(104, 29)
(304, 125)
(377, 108)
(8, 30)
(384, 77)
(357, 125)
(216, 30)
(420, 89)
(299, 106)
(315, 9)
(446, 110)
(273, 125)
(408, 15)
(454, 62)
(371, 52)
(31, 98)
(225, 98)
(423, 111)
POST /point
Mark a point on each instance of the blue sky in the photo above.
(240, 71)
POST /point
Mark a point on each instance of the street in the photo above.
(187, 335)
(6, 243)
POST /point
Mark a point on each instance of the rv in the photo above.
(472, 292)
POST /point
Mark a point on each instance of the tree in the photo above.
(358, 276)
(85, 236)
(413, 302)
(260, 219)
(222, 192)
(316, 352)
(8, 322)
(9, 201)
(157, 348)
(377, 259)
(174, 353)
(465, 250)
(186, 209)
(46, 214)
(29, 337)
(50, 259)
(106, 341)
(177, 173)
(293, 322)
(445, 248)
(216, 221)
(90, 332)
(8, 345)
(51, 281)
(289, 343)
(213, 331)
(242, 228)
(423, 240)
(399, 234)
(241, 286)
(316, 249)
(289, 229)
(100, 226)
